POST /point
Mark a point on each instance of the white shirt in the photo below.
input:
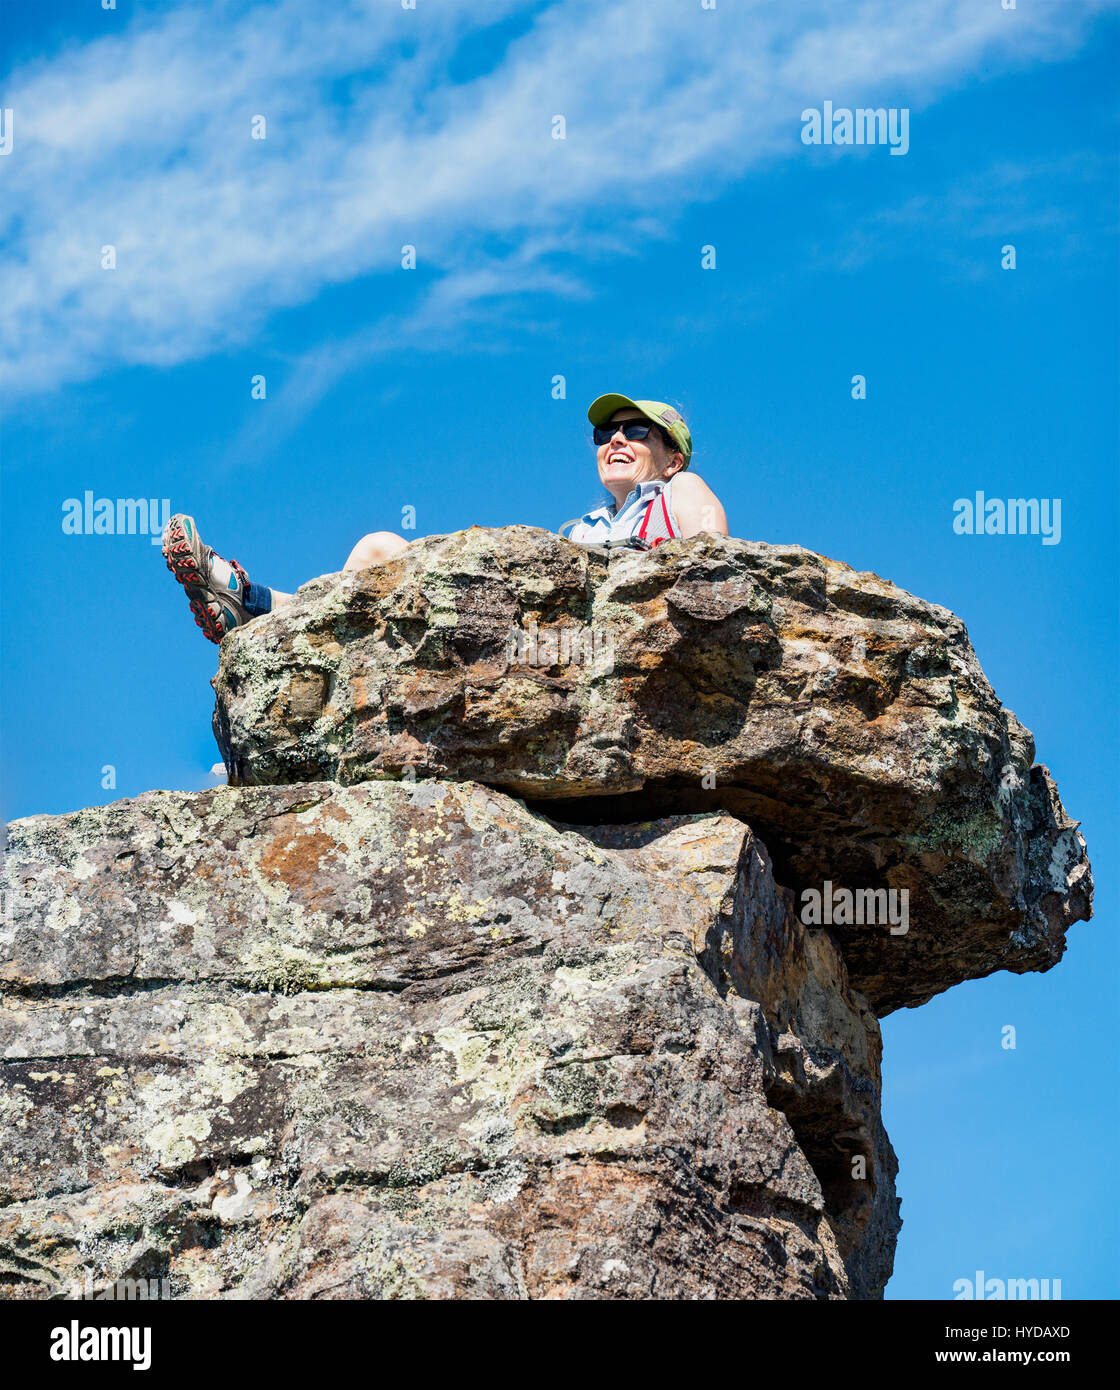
(613, 523)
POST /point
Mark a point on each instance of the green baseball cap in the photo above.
(602, 408)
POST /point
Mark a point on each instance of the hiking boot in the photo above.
(215, 587)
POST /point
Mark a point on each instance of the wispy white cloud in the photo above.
(143, 141)
(965, 220)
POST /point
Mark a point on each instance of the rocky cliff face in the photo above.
(477, 981)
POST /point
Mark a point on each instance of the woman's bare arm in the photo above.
(697, 507)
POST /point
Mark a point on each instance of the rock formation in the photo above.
(487, 976)
(847, 722)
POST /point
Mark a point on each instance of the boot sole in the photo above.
(179, 555)
(180, 558)
(205, 620)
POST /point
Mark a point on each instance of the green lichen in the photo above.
(287, 977)
(387, 1274)
(975, 835)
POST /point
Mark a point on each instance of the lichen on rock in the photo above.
(487, 978)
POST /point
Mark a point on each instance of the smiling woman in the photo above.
(642, 450)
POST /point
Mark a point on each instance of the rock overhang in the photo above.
(847, 721)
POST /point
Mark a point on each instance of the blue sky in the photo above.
(432, 388)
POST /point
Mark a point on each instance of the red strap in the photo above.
(645, 519)
(668, 523)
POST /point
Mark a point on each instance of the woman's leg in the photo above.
(258, 599)
(221, 594)
(373, 549)
(370, 550)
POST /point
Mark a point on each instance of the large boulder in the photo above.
(493, 972)
(414, 1040)
(846, 721)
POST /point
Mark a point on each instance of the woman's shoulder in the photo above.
(687, 485)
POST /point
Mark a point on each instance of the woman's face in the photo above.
(624, 463)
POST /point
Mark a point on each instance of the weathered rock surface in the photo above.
(334, 1031)
(400, 1040)
(846, 721)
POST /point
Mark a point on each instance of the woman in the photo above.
(642, 449)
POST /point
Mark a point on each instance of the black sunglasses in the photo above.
(631, 429)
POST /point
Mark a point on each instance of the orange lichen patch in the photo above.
(297, 861)
(817, 632)
(652, 610)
